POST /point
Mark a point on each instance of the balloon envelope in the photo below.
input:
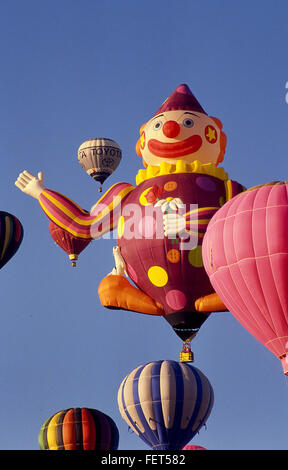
(165, 403)
(73, 246)
(169, 270)
(11, 236)
(99, 157)
(245, 253)
(79, 429)
(191, 447)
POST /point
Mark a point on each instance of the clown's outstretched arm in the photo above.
(102, 218)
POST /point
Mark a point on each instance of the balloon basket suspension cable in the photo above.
(186, 355)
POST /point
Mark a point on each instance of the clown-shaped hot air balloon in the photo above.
(162, 220)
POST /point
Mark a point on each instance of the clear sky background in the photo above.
(74, 70)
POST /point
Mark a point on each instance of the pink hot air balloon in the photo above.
(245, 254)
(193, 447)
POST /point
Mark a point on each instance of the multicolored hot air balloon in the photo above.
(79, 429)
(99, 158)
(165, 403)
(11, 236)
(245, 253)
(73, 246)
(160, 222)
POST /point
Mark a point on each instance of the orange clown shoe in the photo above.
(210, 303)
(115, 291)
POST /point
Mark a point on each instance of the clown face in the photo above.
(180, 135)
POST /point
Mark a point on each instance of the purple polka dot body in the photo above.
(170, 270)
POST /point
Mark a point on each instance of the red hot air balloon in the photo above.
(245, 253)
(73, 246)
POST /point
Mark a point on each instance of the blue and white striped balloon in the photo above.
(165, 403)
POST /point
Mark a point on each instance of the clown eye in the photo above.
(157, 125)
(188, 122)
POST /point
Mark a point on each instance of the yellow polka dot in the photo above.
(120, 228)
(157, 276)
(142, 199)
(195, 257)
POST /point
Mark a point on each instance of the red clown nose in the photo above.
(171, 129)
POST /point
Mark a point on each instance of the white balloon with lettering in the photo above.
(99, 157)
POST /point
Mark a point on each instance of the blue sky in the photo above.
(74, 70)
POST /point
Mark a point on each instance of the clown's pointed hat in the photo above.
(181, 98)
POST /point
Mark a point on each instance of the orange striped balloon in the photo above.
(79, 429)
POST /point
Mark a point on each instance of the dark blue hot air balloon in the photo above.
(11, 235)
(165, 403)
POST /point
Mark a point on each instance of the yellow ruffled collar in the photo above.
(181, 167)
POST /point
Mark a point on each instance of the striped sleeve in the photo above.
(197, 220)
(101, 219)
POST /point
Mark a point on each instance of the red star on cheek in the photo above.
(211, 134)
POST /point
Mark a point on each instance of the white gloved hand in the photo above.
(174, 224)
(173, 204)
(30, 184)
